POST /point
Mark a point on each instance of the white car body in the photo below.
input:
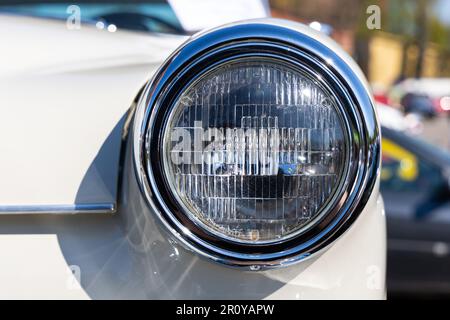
(64, 100)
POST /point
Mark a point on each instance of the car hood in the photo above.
(36, 45)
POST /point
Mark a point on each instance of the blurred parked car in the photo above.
(418, 103)
(416, 191)
(380, 93)
(436, 89)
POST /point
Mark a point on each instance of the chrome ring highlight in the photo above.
(285, 43)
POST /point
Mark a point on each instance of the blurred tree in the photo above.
(412, 20)
(342, 14)
(421, 32)
(399, 17)
(439, 33)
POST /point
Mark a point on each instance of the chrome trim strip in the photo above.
(59, 209)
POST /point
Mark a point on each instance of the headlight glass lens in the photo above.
(254, 150)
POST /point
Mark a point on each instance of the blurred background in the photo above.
(402, 46)
(406, 59)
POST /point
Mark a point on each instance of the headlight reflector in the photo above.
(254, 150)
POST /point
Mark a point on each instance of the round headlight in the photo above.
(254, 149)
(256, 145)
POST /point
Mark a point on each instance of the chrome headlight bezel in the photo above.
(283, 42)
